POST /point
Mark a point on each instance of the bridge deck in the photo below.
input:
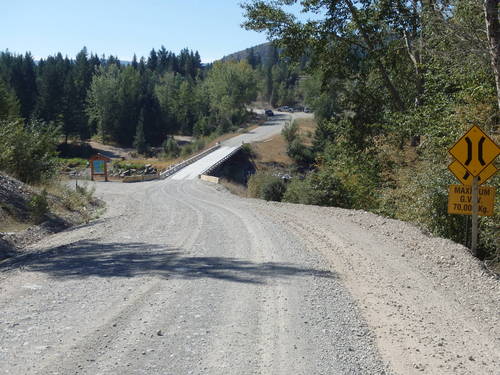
(192, 171)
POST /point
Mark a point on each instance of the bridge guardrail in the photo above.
(228, 156)
(177, 167)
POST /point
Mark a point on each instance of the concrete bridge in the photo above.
(228, 148)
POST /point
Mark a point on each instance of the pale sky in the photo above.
(122, 27)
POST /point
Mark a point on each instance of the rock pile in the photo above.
(148, 169)
(14, 198)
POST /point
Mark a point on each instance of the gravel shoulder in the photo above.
(433, 307)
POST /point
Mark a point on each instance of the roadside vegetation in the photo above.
(396, 87)
(50, 109)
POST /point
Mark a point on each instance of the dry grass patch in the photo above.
(10, 224)
(273, 151)
(307, 127)
(234, 188)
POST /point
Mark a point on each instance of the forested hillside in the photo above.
(393, 84)
(164, 94)
(281, 81)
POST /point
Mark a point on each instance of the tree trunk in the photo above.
(415, 58)
(493, 29)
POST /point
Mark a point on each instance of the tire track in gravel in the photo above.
(409, 312)
(241, 302)
(79, 355)
(279, 316)
(267, 315)
(205, 284)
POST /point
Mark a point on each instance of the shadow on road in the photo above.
(88, 258)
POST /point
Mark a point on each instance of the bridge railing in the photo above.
(221, 161)
(177, 167)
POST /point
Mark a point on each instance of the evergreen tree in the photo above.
(162, 60)
(51, 79)
(152, 63)
(83, 71)
(27, 92)
(9, 105)
(134, 63)
(140, 139)
(252, 58)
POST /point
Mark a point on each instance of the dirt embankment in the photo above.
(21, 226)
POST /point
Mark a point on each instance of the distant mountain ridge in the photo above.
(265, 52)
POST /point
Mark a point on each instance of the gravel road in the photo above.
(181, 277)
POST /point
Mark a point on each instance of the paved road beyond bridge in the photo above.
(267, 130)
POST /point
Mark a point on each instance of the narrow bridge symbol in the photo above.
(475, 151)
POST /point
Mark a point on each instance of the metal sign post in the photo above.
(474, 154)
(475, 206)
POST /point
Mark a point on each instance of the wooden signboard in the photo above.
(98, 166)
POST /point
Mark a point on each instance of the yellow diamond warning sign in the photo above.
(475, 150)
(465, 177)
(460, 200)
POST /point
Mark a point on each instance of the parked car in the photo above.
(307, 110)
(269, 112)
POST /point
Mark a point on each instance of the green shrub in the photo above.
(28, 152)
(39, 207)
(86, 191)
(290, 131)
(171, 148)
(78, 199)
(300, 191)
(124, 164)
(265, 186)
(273, 190)
(73, 162)
(199, 144)
(327, 189)
(301, 154)
(421, 197)
(247, 149)
(186, 150)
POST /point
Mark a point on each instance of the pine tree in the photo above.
(82, 76)
(252, 58)
(29, 91)
(140, 139)
(162, 60)
(134, 64)
(9, 105)
(52, 76)
(152, 63)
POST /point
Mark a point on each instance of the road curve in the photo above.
(270, 128)
(179, 278)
